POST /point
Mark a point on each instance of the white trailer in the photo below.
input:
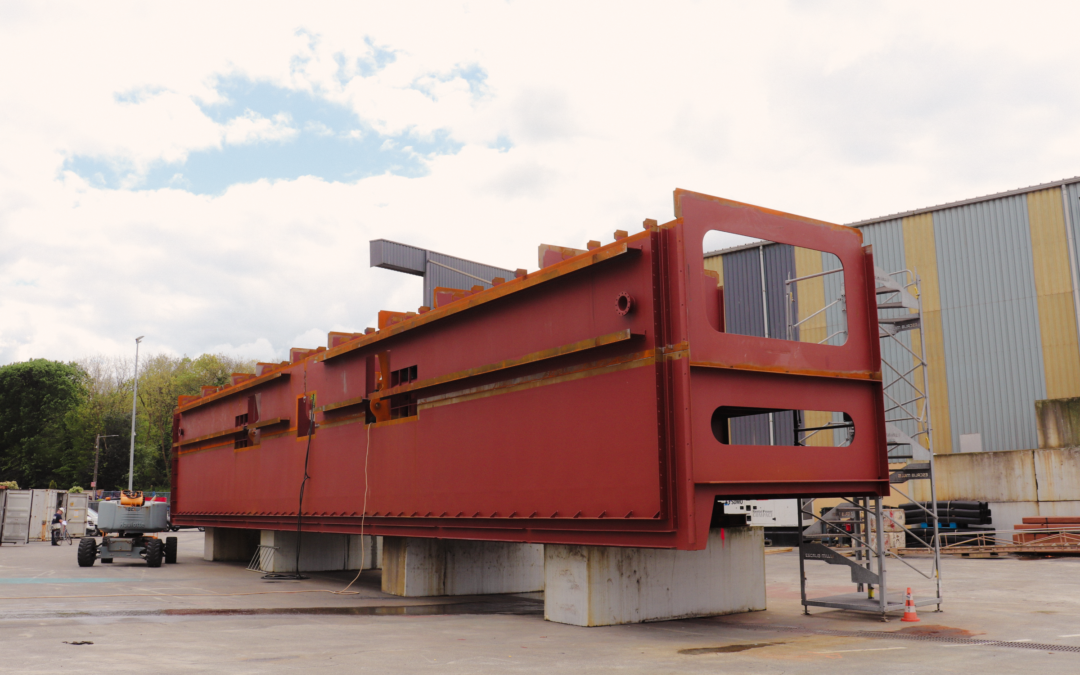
(766, 512)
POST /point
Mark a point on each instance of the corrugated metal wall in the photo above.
(835, 316)
(990, 322)
(920, 251)
(810, 298)
(999, 310)
(779, 267)
(887, 240)
(398, 257)
(744, 314)
(438, 276)
(1072, 196)
(417, 261)
(1054, 285)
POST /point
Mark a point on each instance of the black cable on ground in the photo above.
(296, 576)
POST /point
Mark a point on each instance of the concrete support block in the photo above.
(608, 585)
(229, 544)
(319, 551)
(417, 567)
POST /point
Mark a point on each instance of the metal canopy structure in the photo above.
(437, 269)
(586, 403)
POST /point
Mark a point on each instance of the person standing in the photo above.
(57, 524)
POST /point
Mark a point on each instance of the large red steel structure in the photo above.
(583, 403)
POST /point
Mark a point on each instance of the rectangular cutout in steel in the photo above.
(776, 291)
(733, 425)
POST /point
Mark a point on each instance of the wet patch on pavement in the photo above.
(728, 649)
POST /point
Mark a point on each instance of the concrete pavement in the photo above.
(217, 617)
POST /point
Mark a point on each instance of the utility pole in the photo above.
(134, 400)
(97, 452)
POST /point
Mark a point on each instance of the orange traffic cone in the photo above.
(909, 608)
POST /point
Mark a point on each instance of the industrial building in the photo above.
(764, 371)
(998, 284)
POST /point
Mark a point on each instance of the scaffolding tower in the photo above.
(856, 532)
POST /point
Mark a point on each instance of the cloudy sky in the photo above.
(209, 175)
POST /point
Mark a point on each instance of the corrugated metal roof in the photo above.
(1073, 183)
(989, 309)
(965, 202)
(740, 247)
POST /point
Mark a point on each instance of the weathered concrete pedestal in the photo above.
(607, 585)
(229, 544)
(319, 551)
(417, 567)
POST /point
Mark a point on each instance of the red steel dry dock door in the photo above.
(576, 404)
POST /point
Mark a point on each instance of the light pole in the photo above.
(97, 441)
(134, 400)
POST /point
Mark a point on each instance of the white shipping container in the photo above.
(42, 507)
(17, 517)
(75, 513)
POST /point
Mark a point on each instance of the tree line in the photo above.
(51, 412)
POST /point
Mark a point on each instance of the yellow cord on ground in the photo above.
(363, 515)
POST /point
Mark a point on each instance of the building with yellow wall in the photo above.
(998, 281)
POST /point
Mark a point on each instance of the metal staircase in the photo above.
(856, 532)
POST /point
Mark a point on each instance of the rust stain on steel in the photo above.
(517, 285)
(551, 377)
(551, 416)
(229, 391)
(273, 421)
(356, 400)
(681, 194)
(591, 343)
(874, 376)
(216, 434)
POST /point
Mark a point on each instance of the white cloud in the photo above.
(834, 110)
(252, 127)
(259, 350)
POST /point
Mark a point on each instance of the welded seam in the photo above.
(535, 357)
(646, 358)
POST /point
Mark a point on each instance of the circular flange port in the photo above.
(624, 304)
